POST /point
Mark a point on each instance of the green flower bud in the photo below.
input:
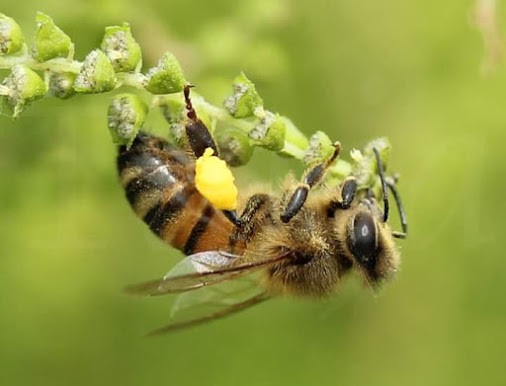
(167, 77)
(174, 112)
(121, 48)
(320, 148)
(234, 145)
(11, 36)
(296, 143)
(61, 85)
(383, 146)
(338, 173)
(365, 167)
(340, 170)
(50, 41)
(97, 74)
(244, 100)
(173, 109)
(21, 87)
(270, 131)
(126, 115)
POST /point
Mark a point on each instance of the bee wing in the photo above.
(213, 302)
(202, 269)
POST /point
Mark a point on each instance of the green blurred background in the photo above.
(412, 71)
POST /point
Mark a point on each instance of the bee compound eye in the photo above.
(363, 242)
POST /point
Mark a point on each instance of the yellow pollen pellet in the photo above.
(215, 181)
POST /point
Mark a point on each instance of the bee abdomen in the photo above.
(157, 177)
(159, 183)
(164, 212)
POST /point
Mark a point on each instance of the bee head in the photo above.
(369, 238)
(371, 245)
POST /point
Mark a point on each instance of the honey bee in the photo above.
(296, 243)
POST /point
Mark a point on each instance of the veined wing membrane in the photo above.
(202, 269)
(213, 302)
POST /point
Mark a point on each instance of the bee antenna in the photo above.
(400, 208)
(389, 183)
(384, 185)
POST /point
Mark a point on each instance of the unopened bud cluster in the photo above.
(22, 86)
(11, 36)
(48, 67)
(127, 113)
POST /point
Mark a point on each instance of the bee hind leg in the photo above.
(200, 138)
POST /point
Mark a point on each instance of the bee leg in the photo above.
(313, 177)
(200, 138)
(197, 133)
(348, 192)
(233, 217)
(257, 212)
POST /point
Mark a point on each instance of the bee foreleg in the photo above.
(312, 178)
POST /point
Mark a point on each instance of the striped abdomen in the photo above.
(158, 179)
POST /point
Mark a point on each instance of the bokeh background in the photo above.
(417, 72)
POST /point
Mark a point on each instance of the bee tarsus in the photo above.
(347, 193)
